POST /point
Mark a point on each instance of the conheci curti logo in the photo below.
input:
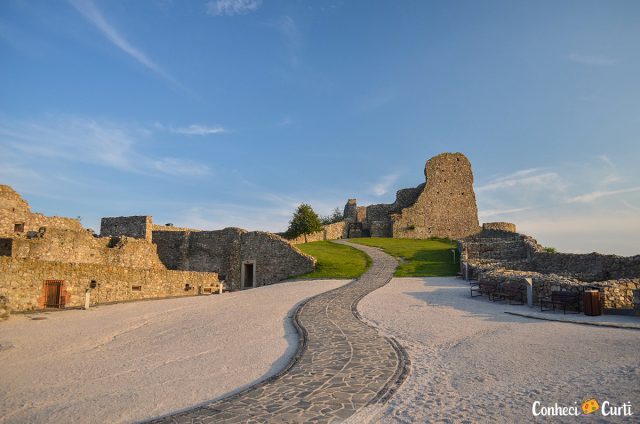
(588, 407)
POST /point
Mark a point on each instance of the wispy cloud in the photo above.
(592, 60)
(95, 142)
(605, 159)
(383, 186)
(595, 195)
(286, 121)
(489, 213)
(91, 12)
(194, 129)
(232, 7)
(526, 177)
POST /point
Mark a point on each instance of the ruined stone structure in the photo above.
(54, 261)
(16, 216)
(139, 227)
(243, 259)
(502, 255)
(444, 206)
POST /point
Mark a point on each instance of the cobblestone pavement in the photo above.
(342, 364)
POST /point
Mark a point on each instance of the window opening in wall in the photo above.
(19, 227)
(136, 288)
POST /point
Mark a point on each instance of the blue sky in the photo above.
(230, 112)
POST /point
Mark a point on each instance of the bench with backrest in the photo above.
(488, 288)
(564, 299)
(512, 293)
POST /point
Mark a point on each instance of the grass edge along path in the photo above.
(335, 260)
(418, 257)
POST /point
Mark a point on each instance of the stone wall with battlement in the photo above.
(444, 206)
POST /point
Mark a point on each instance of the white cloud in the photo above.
(489, 213)
(95, 142)
(199, 130)
(524, 178)
(595, 195)
(383, 186)
(605, 159)
(590, 60)
(232, 7)
(89, 10)
(194, 129)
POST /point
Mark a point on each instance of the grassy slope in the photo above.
(421, 258)
(335, 260)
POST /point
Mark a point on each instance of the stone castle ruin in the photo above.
(444, 206)
(500, 255)
(54, 261)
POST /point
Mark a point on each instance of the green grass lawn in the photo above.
(420, 258)
(335, 260)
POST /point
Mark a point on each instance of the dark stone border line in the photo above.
(255, 403)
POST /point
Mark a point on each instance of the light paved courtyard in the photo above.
(135, 361)
(472, 362)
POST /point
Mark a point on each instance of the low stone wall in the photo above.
(22, 283)
(588, 267)
(616, 294)
(333, 231)
(499, 226)
(156, 227)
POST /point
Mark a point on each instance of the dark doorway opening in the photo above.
(248, 275)
(53, 294)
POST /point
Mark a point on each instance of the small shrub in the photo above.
(550, 250)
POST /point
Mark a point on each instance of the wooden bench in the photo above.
(485, 287)
(512, 293)
(563, 299)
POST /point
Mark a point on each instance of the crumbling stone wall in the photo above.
(499, 226)
(506, 257)
(444, 206)
(22, 283)
(51, 244)
(140, 227)
(16, 216)
(275, 258)
(224, 251)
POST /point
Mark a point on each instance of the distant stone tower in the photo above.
(444, 206)
(447, 205)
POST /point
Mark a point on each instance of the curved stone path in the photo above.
(342, 364)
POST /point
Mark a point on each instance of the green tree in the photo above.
(304, 221)
(336, 216)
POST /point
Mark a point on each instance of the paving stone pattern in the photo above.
(342, 364)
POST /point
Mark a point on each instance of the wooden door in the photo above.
(53, 291)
